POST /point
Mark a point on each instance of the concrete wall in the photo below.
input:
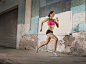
(28, 38)
(71, 20)
(61, 8)
(25, 23)
(34, 17)
(71, 14)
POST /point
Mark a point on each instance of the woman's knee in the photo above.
(56, 39)
(53, 36)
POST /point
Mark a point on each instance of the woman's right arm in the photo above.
(43, 22)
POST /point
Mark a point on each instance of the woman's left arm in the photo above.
(57, 23)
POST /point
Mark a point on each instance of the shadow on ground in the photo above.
(8, 61)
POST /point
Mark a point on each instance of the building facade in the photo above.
(21, 23)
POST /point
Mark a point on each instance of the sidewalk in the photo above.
(14, 56)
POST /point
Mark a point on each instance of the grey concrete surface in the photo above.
(18, 56)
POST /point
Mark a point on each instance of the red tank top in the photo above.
(51, 22)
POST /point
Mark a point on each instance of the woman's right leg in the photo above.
(47, 41)
(51, 35)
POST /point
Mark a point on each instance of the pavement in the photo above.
(19, 56)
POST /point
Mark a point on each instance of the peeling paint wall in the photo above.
(78, 16)
(34, 17)
(76, 43)
(28, 39)
(79, 44)
(69, 19)
(72, 17)
(61, 8)
(29, 33)
(74, 21)
(28, 42)
(27, 18)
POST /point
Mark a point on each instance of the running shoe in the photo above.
(37, 49)
(55, 53)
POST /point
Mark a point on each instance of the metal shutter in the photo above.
(8, 28)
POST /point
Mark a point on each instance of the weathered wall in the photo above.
(75, 43)
(58, 6)
(28, 42)
(27, 24)
(78, 16)
(29, 39)
(34, 17)
(79, 44)
(67, 43)
(61, 8)
(71, 14)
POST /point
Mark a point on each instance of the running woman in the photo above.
(51, 24)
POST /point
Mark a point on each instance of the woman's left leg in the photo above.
(45, 43)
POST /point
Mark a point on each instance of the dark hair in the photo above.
(50, 13)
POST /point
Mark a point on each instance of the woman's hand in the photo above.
(57, 23)
(56, 18)
(40, 30)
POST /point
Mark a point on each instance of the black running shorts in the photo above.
(48, 31)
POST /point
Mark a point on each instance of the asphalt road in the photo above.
(17, 56)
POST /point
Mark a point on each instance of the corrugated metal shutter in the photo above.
(8, 28)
